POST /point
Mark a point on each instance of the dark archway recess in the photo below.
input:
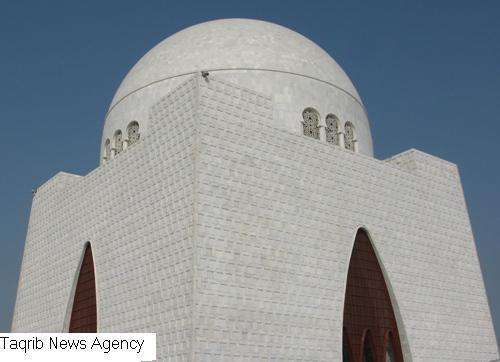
(84, 311)
(346, 348)
(368, 307)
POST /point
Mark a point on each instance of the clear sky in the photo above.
(428, 73)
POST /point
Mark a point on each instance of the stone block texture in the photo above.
(231, 239)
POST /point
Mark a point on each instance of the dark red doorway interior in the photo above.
(370, 329)
(84, 311)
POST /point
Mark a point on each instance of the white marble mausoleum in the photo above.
(239, 213)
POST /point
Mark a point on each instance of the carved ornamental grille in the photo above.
(107, 149)
(133, 133)
(349, 136)
(311, 123)
(118, 142)
(332, 129)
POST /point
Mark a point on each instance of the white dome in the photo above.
(258, 55)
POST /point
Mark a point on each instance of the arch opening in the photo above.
(84, 310)
(133, 132)
(349, 136)
(346, 347)
(310, 123)
(389, 348)
(369, 320)
(368, 350)
(107, 150)
(118, 140)
(332, 129)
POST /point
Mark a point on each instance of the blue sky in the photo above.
(428, 73)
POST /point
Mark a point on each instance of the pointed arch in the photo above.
(368, 310)
(83, 317)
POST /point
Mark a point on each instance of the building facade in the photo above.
(238, 212)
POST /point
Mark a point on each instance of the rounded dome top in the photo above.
(264, 57)
(234, 44)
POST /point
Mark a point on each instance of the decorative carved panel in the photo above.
(332, 129)
(107, 149)
(349, 136)
(311, 123)
(133, 132)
